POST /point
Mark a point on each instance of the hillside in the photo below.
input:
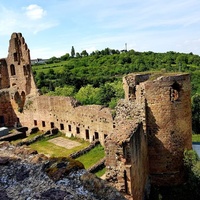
(97, 78)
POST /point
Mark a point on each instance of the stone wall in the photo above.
(4, 79)
(127, 160)
(92, 122)
(130, 82)
(8, 117)
(126, 148)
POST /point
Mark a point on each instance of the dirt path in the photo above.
(63, 142)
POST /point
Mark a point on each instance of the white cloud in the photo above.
(31, 21)
(35, 12)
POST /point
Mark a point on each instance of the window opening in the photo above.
(77, 130)
(61, 126)
(35, 122)
(52, 124)
(87, 135)
(12, 70)
(96, 135)
(15, 56)
(175, 92)
(1, 119)
(69, 127)
(43, 123)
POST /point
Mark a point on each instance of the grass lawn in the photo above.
(57, 67)
(43, 146)
(101, 172)
(92, 156)
(50, 149)
(195, 137)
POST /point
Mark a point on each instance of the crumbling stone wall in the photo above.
(153, 128)
(131, 82)
(19, 65)
(16, 80)
(8, 116)
(127, 160)
(4, 78)
(126, 148)
(92, 122)
(168, 122)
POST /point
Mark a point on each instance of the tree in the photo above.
(65, 91)
(106, 93)
(84, 53)
(196, 113)
(65, 57)
(78, 55)
(88, 95)
(72, 52)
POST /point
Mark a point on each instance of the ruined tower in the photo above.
(19, 65)
(16, 80)
(168, 126)
(153, 128)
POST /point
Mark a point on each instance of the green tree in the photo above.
(84, 53)
(72, 52)
(65, 91)
(196, 113)
(65, 57)
(88, 95)
(106, 93)
(78, 55)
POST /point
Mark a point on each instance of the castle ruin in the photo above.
(144, 142)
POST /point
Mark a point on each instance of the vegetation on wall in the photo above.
(96, 78)
(187, 191)
(192, 163)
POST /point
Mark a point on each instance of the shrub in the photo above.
(192, 163)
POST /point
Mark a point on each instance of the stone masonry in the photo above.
(153, 128)
(145, 140)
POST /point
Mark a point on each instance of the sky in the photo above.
(52, 27)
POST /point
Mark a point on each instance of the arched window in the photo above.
(12, 70)
(175, 92)
(15, 56)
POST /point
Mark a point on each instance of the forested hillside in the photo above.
(97, 78)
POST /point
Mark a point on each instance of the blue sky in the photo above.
(52, 27)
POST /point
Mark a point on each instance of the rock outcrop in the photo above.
(28, 175)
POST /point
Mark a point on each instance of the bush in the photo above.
(190, 158)
(192, 163)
